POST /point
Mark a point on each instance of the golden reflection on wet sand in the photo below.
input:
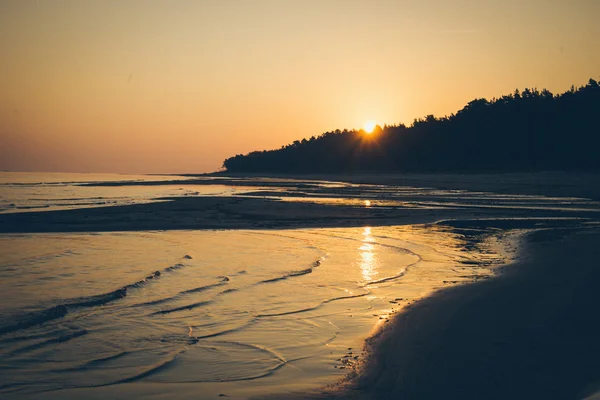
(368, 259)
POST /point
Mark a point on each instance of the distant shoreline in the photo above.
(546, 183)
(561, 183)
(259, 211)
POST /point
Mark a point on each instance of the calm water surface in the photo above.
(204, 307)
(27, 192)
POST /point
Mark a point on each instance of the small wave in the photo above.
(293, 273)
(203, 288)
(100, 299)
(290, 275)
(352, 296)
(261, 355)
(155, 302)
(34, 318)
(155, 274)
(302, 310)
(401, 273)
(106, 298)
(223, 281)
(39, 317)
(182, 308)
(174, 267)
(199, 289)
(229, 291)
(171, 359)
(105, 359)
(226, 331)
(268, 372)
(61, 339)
(93, 363)
(388, 278)
(153, 369)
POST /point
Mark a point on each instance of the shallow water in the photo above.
(27, 192)
(204, 307)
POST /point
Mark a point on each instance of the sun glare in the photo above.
(369, 126)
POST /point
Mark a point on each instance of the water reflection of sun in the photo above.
(368, 260)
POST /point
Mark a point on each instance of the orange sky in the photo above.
(177, 86)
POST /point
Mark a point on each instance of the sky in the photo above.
(147, 86)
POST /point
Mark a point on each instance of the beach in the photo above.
(470, 292)
(288, 200)
(529, 333)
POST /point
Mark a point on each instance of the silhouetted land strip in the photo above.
(525, 131)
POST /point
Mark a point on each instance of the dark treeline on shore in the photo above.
(526, 130)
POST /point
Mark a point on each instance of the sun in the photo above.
(369, 126)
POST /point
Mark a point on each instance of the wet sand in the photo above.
(206, 213)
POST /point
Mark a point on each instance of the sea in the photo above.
(208, 313)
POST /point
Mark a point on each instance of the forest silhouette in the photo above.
(527, 130)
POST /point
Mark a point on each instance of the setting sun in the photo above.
(369, 126)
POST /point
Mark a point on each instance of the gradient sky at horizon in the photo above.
(177, 86)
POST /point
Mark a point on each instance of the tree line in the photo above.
(524, 131)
